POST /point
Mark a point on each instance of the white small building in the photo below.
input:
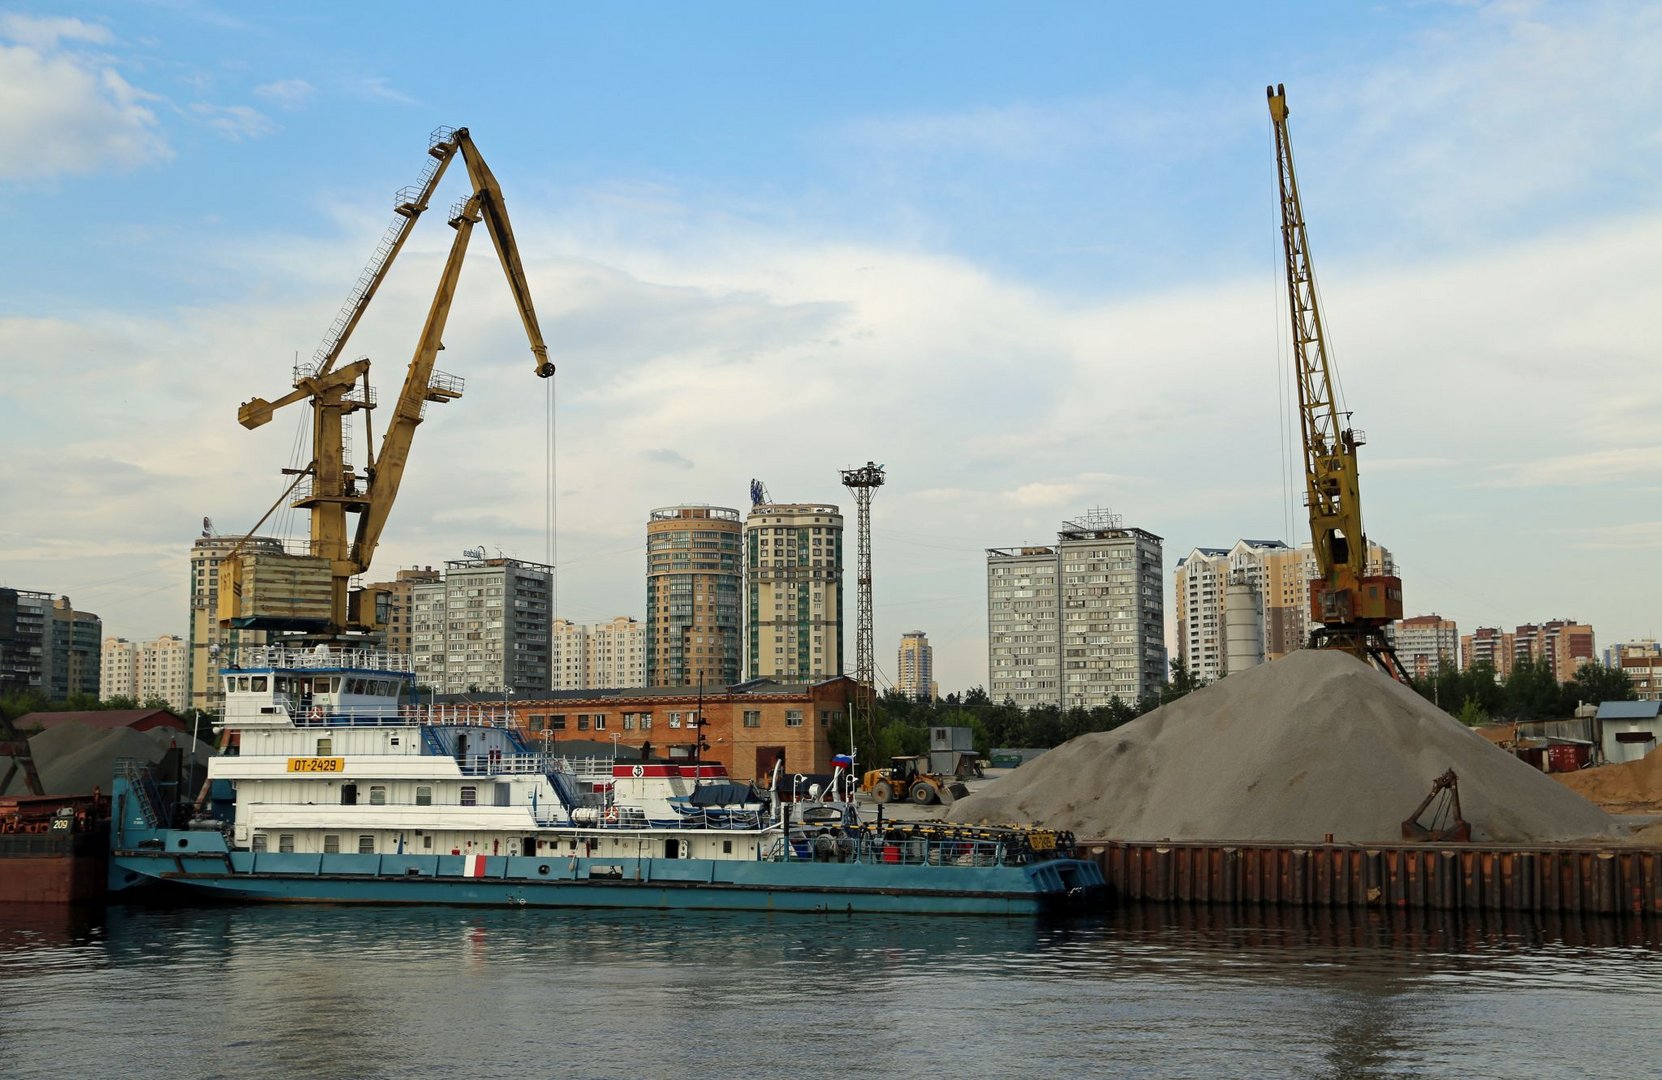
(1628, 730)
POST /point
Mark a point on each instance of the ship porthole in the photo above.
(543, 869)
(183, 842)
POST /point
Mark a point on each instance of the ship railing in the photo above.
(276, 656)
(489, 764)
(907, 852)
(401, 716)
(143, 787)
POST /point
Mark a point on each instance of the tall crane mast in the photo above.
(1349, 608)
(334, 489)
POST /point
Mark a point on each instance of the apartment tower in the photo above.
(915, 667)
(1079, 622)
(793, 578)
(208, 640)
(599, 656)
(693, 579)
(484, 627)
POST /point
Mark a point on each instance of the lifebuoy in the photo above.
(610, 816)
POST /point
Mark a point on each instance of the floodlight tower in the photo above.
(862, 482)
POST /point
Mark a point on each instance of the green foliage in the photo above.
(120, 701)
(1471, 713)
(1531, 692)
(1595, 683)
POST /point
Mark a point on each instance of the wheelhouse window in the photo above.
(259, 684)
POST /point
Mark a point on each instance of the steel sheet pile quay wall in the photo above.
(1545, 879)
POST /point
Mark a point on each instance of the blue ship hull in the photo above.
(200, 861)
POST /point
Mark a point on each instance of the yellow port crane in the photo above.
(260, 589)
(1349, 608)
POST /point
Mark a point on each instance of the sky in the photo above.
(1027, 257)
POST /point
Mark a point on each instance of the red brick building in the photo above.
(747, 727)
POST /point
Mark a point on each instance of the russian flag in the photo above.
(473, 866)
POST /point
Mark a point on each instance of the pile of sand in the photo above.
(1312, 744)
(1633, 787)
(72, 759)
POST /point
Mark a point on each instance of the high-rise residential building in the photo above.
(25, 641)
(1562, 645)
(1078, 622)
(147, 670)
(1426, 644)
(598, 656)
(396, 611)
(483, 627)
(208, 640)
(793, 587)
(1270, 586)
(118, 673)
(1487, 645)
(75, 652)
(915, 667)
(693, 578)
(1642, 663)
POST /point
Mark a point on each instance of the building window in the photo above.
(600, 721)
(470, 795)
(825, 718)
(793, 717)
(557, 722)
(753, 718)
(285, 842)
(646, 721)
(366, 844)
(628, 721)
(582, 721)
(674, 719)
(377, 795)
(424, 796)
(537, 722)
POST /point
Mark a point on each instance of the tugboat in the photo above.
(342, 791)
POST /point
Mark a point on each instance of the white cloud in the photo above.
(235, 122)
(64, 111)
(287, 93)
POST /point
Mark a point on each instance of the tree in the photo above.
(1531, 692)
(1595, 683)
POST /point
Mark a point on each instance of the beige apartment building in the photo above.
(793, 577)
(208, 640)
(1487, 645)
(1426, 644)
(1268, 582)
(915, 667)
(142, 670)
(483, 626)
(1642, 661)
(397, 610)
(693, 582)
(598, 656)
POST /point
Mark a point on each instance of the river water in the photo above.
(442, 992)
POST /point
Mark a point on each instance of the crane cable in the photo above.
(550, 495)
(1283, 363)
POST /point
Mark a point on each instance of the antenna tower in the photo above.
(862, 482)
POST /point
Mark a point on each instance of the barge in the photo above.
(341, 792)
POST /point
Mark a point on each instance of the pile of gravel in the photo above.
(72, 759)
(1312, 744)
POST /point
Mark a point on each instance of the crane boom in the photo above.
(1349, 607)
(335, 490)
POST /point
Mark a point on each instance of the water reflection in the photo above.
(348, 991)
